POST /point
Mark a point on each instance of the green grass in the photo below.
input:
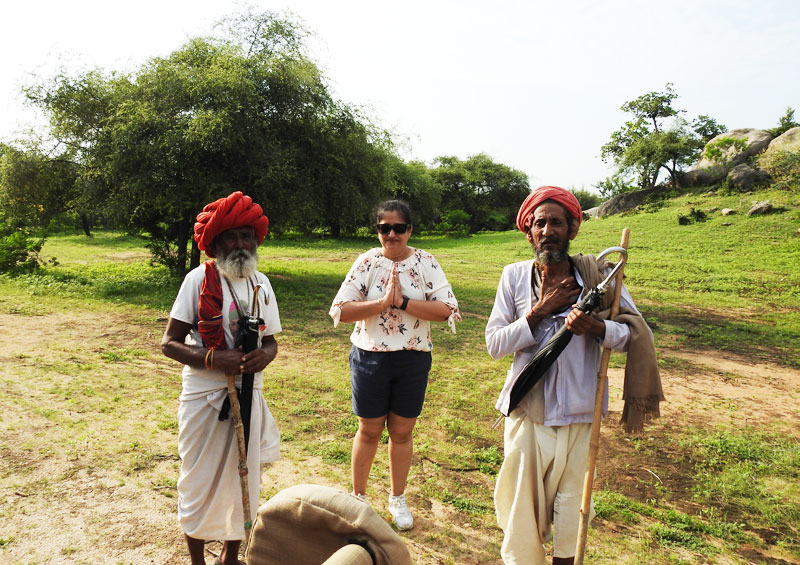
(750, 474)
(734, 287)
(701, 286)
(744, 483)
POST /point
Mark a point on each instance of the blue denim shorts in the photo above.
(388, 381)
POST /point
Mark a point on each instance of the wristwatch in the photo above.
(405, 303)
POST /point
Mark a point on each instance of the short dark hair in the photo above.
(393, 205)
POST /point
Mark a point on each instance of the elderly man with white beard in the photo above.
(200, 333)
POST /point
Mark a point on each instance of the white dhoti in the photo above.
(540, 485)
(209, 491)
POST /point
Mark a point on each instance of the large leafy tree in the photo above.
(35, 187)
(657, 137)
(413, 181)
(342, 169)
(245, 109)
(489, 192)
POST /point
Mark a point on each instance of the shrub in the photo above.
(724, 149)
(18, 250)
(496, 221)
(614, 185)
(586, 198)
(783, 167)
(785, 123)
(693, 216)
(454, 222)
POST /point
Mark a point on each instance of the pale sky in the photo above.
(536, 85)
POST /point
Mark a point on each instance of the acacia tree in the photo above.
(243, 110)
(487, 191)
(35, 186)
(341, 170)
(413, 182)
(657, 138)
(785, 123)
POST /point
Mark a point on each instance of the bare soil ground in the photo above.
(75, 502)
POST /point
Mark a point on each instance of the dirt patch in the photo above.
(749, 390)
(69, 505)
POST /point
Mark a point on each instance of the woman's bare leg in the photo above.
(365, 444)
(401, 447)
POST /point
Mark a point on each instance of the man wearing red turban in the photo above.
(201, 332)
(539, 486)
(233, 211)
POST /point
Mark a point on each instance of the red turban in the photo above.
(233, 211)
(558, 194)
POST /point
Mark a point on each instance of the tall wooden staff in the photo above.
(236, 416)
(594, 441)
(249, 340)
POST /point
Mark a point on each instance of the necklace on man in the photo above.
(251, 287)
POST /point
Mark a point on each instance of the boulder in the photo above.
(727, 212)
(788, 141)
(590, 213)
(626, 201)
(745, 177)
(706, 171)
(761, 207)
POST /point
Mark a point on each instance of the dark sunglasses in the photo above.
(399, 229)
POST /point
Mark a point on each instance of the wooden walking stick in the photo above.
(594, 441)
(236, 417)
(249, 327)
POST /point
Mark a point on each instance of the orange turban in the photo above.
(558, 194)
(233, 211)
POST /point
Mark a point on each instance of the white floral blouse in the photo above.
(421, 278)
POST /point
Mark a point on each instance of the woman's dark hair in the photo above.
(393, 206)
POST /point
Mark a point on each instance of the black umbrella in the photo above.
(546, 356)
(248, 339)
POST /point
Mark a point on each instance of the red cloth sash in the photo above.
(210, 309)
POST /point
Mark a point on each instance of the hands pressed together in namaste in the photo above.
(394, 291)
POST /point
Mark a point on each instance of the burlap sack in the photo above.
(306, 524)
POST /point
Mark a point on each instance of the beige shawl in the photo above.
(641, 390)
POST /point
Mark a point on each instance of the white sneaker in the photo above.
(361, 497)
(400, 512)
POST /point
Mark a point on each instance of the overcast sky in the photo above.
(536, 85)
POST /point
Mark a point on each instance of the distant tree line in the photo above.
(245, 109)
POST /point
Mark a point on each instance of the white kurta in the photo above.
(209, 491)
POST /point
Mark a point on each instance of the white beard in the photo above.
(239, 264)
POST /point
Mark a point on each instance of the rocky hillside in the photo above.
(740, 160)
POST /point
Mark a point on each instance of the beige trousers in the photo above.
(540, 485)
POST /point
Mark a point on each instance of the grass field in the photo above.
(89, 402)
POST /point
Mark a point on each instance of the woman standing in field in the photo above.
(392, 292)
